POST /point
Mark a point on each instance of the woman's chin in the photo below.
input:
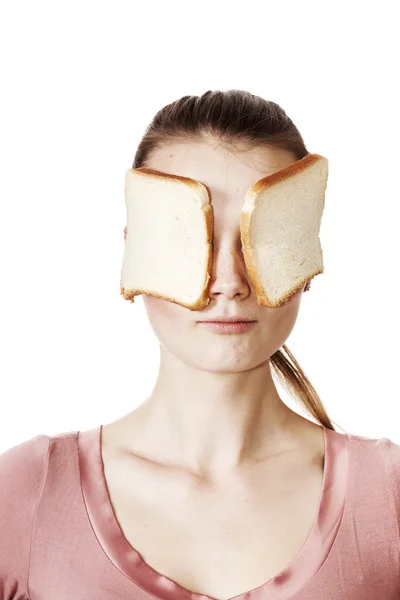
(228, 363)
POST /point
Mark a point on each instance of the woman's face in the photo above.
(227, 175)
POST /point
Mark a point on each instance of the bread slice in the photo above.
(280, 225)
(168, 247)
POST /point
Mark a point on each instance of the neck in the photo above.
(212, 422)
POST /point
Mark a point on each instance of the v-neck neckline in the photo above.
(287, 582)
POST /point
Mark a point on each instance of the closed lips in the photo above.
(228, 320)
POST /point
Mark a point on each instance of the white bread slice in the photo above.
(168, 247)
(280, 224)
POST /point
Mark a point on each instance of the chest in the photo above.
(216, 540)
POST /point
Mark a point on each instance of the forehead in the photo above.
(226, 173)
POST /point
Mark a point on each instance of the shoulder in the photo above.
(390, 454)
(24, 463)
(386, 453)
(27, 461)
(387, 450)
(23, 472)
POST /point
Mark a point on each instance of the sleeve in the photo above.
(390, 453)
(23, 471)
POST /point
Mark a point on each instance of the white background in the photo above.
(80, 83)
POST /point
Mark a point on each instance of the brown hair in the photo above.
(233, 118)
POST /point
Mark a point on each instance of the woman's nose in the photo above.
(229, 274)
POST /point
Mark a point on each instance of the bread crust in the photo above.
(286, 172)
(196, 185)
(245, 225)
(204, 194)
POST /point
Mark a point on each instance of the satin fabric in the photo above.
(300, 570)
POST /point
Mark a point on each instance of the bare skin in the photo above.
(240, 472)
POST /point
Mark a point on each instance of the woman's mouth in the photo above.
(228, 326)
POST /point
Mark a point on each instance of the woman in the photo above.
(213, 488)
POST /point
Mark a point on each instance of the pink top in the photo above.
(60, 539)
